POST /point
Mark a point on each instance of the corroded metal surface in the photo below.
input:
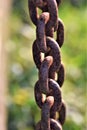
(50, 66)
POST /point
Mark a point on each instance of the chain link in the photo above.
(50, 68)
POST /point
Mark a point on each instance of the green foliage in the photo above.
(70, 125)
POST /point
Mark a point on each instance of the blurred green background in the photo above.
(23, 112)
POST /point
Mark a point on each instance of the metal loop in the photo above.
(40, 31)
(60, 33)
(53, 124)
(62, 114)
(54, 90)
(33, 11)
(52, 9)
(36, 54)
(45, 113)
(61, 75)
(54, 52)
(43, 74)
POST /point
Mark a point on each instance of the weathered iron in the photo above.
(50, 66)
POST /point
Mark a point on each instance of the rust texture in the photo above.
(47, 58)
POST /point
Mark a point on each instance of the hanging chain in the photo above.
(46, 55)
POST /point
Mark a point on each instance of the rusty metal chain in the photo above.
(47, 57)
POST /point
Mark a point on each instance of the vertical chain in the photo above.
(50, 68)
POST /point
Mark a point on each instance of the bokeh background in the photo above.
(23, 112)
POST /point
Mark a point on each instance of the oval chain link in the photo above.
(50, 68)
